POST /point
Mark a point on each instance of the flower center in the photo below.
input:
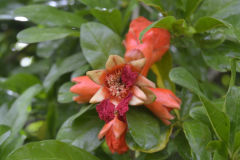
(120, 80)
(114, 83)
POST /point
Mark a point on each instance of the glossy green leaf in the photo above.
(100, 3)
(145, 133)
(64, 94)
(5, 132)
(35, 34)
(199, 114)
(143, 127)
(214, 145)
(69, 64)
(11, 144)
(210, 39)
(191, 6)
(18, 113)
(20, 82)
(162, 69)
(220, 58)
(153, 3)
(111, 18)
(218, 119)
(207, 23)
(182, 77)
(236, 145)
(81, 130)
(47, 48)
(98, 42)
(198, 135)
(232, 107)
(165, 23)
(81, 71)
(50, 149)
(49, 16)
(182, 145)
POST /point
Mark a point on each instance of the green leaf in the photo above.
(198, 136)
(5, 132)
(81, 71)
(145, 133)
(232, 107)
(218, 119)
(191, 6)
(143, 127)
(236, 145)
(182, 145)
(111, 18)
(11, 144)
(220, 58)
(64, 94)
(49, 16)
(47, 48)
(100, 3)
(210, 39)
(18, 113)
(98, 42)
(81, 130)
(199, 114)
(50, 149)
(214, 145)
(207, 23)
(153, 3)
(69, 64)
(35, 34)
(162, 69)
(20, 82)
(182, 77)
(165, 23)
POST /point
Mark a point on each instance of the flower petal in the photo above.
(167, 98)
(133, 54)
(95, 75)
(139, 93)
(85, 87)
(138, 64)
(151, 97)
(105, 129)
(144, 82)
(118, 127)
(99, 96)
(114, 60)
(160, 111)
(105, 110)
(135, 101)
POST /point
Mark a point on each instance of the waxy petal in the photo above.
(144, 82)
(160, 111)
(95, 75)
(99, 96)
(133, 55)
(118, 127)
(167, 98)
(151, 97)
(139, 93)
(135, 101)
(114, 60)
(105, 129)
(138, 64)
(167, 122)
(85, 87)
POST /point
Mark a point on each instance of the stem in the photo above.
(233, 73)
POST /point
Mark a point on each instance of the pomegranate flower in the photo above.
(154, 44)
(114, 83)
(115, 132)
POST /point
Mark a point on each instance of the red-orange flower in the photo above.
(114, 132)
(114, 83)
(166, 101)
(154, 44)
